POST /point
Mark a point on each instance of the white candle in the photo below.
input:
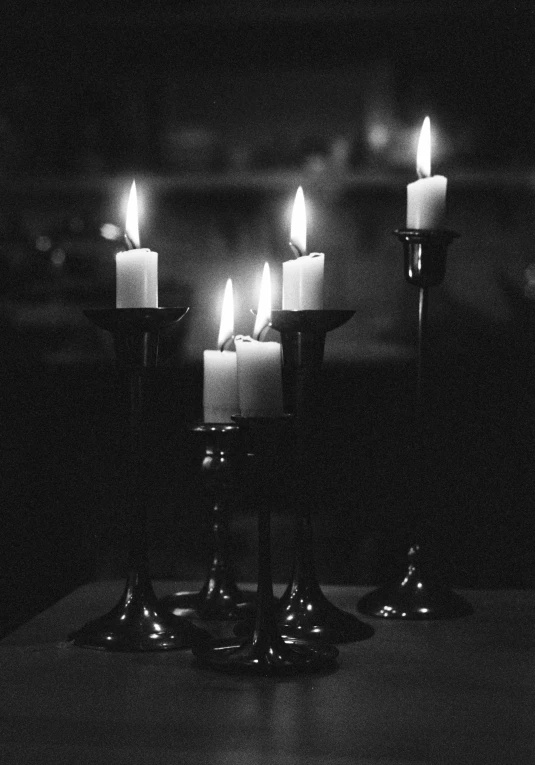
(259, 378)
(137, 269)
(302, 278)
(260, 364)
(302, 283)
(220, 390)
(426, 197)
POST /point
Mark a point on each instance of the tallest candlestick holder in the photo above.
(304, 611)
(414, 595)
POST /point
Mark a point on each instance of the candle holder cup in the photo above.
(263, 650)
(137, 622)
(220, 598)
(414, 595)
(303, 610)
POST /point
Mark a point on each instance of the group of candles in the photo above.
(248, 381)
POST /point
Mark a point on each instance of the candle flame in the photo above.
(298, 230)
(423, 154)
(263, 315)
(226, 327)
(132, 225)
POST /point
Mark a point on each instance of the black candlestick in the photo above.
(303, 610)
(220, 598)
(414, 595)
(137, 622)
(264, 651)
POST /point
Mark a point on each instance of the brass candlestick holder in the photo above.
(263, 650)
(415, 595)
(220, 598)
(137, 622)
(303, 610)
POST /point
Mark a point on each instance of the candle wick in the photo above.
(129, 243)
(298, 253)
(226, 345)
(261, 335)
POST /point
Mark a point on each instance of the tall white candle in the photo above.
(260, 364)
(220, 389)
(259, 377)
(137, 268)
(426, 197)
(302, 278)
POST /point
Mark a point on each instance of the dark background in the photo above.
(220, 110)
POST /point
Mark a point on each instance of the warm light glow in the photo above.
(226, 327)
(132, 225)
(298, 230)
(423, 154)
(263, 316)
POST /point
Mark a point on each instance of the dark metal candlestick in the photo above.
(219, 599)
(413, 595)
(304, 611)
(137, 622)
(264, 651)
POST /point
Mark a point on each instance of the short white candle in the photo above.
(426, 197)
(302, 278)
(259, 377)
(220, 389)
(136, 269)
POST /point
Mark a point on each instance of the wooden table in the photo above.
(459, 691)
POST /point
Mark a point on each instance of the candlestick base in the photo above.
(220, 598)
(279, 657)
(265, 651)
(304, 612)
(137, 623)
(411, 597)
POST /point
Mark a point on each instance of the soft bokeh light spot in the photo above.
(110, 231)
(43, 243)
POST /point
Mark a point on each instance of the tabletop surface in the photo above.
(455, 691)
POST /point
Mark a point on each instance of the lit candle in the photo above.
(137, 269)
(302, 278)
(426, 197)
(259, 364)
(220, 391)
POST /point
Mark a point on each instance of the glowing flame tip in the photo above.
(132, 225)
(298, 230)
(423, 154)
(263, 315)
(226, 327)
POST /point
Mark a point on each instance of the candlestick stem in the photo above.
(303, 610)
(136, 623)
(220, 598)
(264, 651)
(414, 594)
